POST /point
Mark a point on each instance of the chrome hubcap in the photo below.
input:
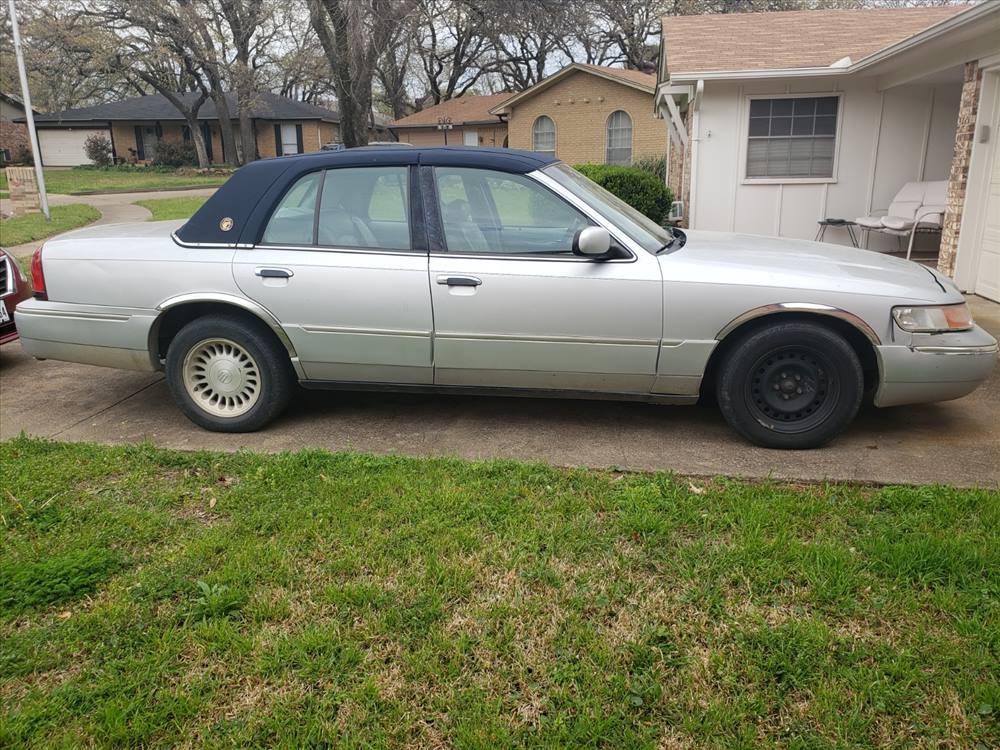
(221, 377)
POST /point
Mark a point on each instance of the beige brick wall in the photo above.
(491, 136)
(314, 135)
(580, 105)
(123, 139)
(959, 176)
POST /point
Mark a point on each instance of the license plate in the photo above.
(4, 316)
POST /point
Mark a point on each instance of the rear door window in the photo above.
(365, 207)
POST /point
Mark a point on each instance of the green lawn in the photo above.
(76, 181)
(157, 598)
(21, 229)
(172, 208)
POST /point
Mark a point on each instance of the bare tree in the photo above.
(354, 35)
(453, 43)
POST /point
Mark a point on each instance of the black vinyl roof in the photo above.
(245, 200)
(266, 106)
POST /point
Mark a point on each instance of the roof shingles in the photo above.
(462, 109)
(267, 106)
(789, 39)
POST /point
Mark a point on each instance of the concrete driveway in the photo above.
(956, 443)
(115, 208)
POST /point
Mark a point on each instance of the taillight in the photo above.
(37, 276)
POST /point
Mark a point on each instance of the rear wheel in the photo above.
(791, 385)
(228, 374)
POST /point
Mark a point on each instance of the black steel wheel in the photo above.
(791, 385)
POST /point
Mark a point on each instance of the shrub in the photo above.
(22, 155)
(640, 189)
(655, 165)
(98, 149)
(175, 154)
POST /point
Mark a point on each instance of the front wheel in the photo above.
(791, 385)
(228, 374)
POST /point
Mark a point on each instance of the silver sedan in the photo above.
(477, 270)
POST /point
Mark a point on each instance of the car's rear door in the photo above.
(513, 307)
(341, 265)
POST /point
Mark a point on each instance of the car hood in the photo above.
(746, 259)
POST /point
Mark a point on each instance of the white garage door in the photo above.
(64, 148)
(988, 276)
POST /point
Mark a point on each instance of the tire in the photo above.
(228, 374)
(791, 385)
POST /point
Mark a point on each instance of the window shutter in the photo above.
(140, 150)
(298, 139)
(277, 140)
(158, 130)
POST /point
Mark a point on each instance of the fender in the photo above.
(809, 307)
(250, 306)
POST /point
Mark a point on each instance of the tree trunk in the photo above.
(198, 139)
(231, 155)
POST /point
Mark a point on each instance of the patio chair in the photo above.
(917, 207)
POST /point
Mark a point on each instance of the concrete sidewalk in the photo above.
(115, 208)
(956, 442)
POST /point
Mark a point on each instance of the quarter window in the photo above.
(543, 136)
(619, 149)
(483, 211)
(792, 137)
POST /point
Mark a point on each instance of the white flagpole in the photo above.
(26, 98)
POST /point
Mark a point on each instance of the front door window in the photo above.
(483, 211)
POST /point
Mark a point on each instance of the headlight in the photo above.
(933, 318)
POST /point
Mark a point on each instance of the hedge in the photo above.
(637, 187)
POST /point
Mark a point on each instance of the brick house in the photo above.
(462, 121)
(13, 135)
(587, 114)
(136, 125)
(778, 120)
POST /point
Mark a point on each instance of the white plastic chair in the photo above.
(918, 206)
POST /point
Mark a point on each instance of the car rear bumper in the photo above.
(89, 334)
(935, 368)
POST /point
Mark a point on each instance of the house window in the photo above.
(619, 149)
(792, 137)
(543, 136)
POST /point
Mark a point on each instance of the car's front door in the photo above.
(514, 307)
(336, 266)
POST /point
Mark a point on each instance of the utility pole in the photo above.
(28, 113)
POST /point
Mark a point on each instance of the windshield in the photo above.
(638, 227)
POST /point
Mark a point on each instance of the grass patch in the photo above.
(21, 229)
(83, 180)
(172, 208)
(158, 598)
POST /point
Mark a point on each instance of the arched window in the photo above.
(619, 149)
(543, 136)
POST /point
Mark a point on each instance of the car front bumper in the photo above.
(937, 367)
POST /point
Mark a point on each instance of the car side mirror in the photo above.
(594, 243)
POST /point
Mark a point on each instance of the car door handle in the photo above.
(459, 280)
(273, 273)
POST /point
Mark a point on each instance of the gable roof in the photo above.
(789, 39)
(633, 78)
(157, 107)
(462, 109)
(12, 99)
